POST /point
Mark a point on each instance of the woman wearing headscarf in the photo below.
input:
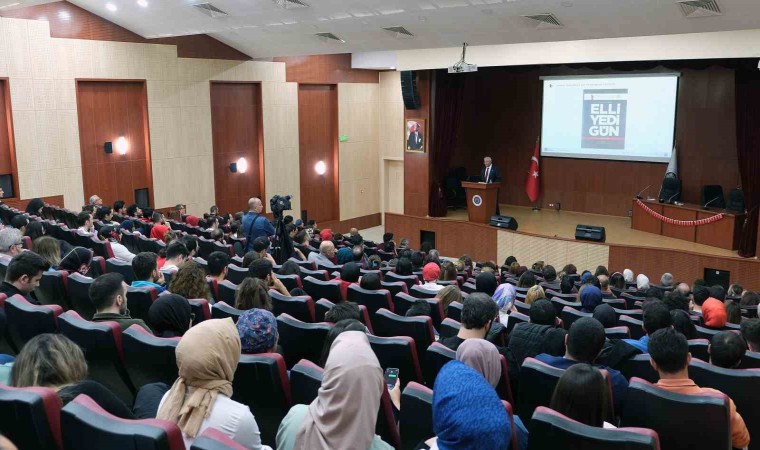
(170, 316)
(34, 207)
(77, 260)
(344, 414)
(200, 398)
(192, 220)
(605, 314)
(258, 331)
(628, 275)
(591, 297)
(467, 413)
(504, 298)
(482, 356)
(345, 255)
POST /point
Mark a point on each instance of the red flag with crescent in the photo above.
(533, 179)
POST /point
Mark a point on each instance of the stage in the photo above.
(549, 235)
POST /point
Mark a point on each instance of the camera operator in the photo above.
(254, 224)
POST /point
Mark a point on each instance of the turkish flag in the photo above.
(533, 180)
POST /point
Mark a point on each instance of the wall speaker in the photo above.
(108, 147)
(409, 90)
(508, 222)
(590, 233)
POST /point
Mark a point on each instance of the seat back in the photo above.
(448, 328)
(102, 347)
(409, 280)
(26, 320)
(122, 267)
(551, 430)
(735, 200)
(236, 274)
(454, 311)
(31, 417)
(751, 360)
(261, 382)
(78, 288)
(402, 302)
(311, 272)
(560, 304)
(648, 406)
(301, 340)
(639, 366)
(570, 315)
(617, 333)
(139, 300)
(87, 426)
(421, 292)
(305, 381)
(394, 287)
(148, 358)
(221, 310)
(698, 349)
(301, 307)
(635, 326)
(200, 308)
(52, 289)
(436, 356)
(399, 352)
(323, 289)
(522, 307)
(373, 300)
(416, 417)
(321, 307)
(213, 439)
(289, 281)
(514, 319)
(420, 329)
(537, 383)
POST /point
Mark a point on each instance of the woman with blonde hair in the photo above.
(534, 293)
(448, 295)
(190, 282)
(253, 293)
(49, 248)
(201, 396)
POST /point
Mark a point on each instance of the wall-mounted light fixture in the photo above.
(241, 165)
(320, 168)
(122, 145)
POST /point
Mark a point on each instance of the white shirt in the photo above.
(86, 231)
(433, 286)
(488, 172)
(121, 252)
(231, 418)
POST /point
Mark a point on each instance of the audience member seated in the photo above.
(534, 293)
(582, 394)
(54, 361)
(676, 300)
(751, 334)
(538, 336)
(253, 293)
(261, 246)
(448, 271)
(700, 295)
(526, 280)
(549, 274)
(733, 312)
(430, 274)
(337, 329)
(718, 292)
(326, 255)
(714, 313)
(343, 311)
(176, 254)
(370, 281)
(585, 341)
(605, 314)
(726, 350)
(290, 268)
(417, 259)
(642, 283)
(190, 281)
(84, 220)
(591, 297)
(108, 294)
(666, 280)
(670, 357)
(750, 300)
(23, 275)
(113, 237)
(486, 283)
(604, 286)
(10, 242)
(145, 268)
(419, 308)
(653, 293)
(349, 275)
(566, 285)
(467, 413)
(34, 230)
(258, 331)
(201, 396)
(344, 256)
(170, 316)
(617, 281)
(656, 317)
(217, 265)
(683, 324)
(159, 229)
(482, 356)
(345, 411)
(504, 297)
(78, 260)
(49, 248)
(404, 267)
(261, 269)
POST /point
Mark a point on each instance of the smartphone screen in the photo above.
(391, 375)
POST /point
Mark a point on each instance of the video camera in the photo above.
(280, 203)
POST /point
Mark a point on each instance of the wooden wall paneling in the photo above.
(7, 141)
(678, 213)
(344, 226)
(70, 21)
(417, 165)
(55, 200)
(107, 110)
(326, 69)
(318, 141)
(236, 126)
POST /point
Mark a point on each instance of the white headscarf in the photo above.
(642, 282)
(628, 275)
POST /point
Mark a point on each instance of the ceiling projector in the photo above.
(462, 66)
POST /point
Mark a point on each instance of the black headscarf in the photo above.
(605, 314)
(76, 260)
(34, 206)
(169, 315)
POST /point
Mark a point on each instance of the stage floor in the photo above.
(551, 223)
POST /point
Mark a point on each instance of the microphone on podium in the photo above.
(638, 196)
(708, 203)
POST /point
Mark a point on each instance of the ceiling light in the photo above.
(64, 15)
(320, 168)
(143, 3)
(111, 7)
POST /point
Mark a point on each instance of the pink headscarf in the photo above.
(482, 356)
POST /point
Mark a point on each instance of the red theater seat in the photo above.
(148, 358)
(26, 320)
(31, 417)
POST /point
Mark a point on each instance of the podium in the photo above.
(481, 200)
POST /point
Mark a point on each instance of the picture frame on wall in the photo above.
(415, 135)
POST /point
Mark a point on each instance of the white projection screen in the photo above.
(618, 117)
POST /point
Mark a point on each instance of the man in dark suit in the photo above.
(414, 141)
(490, 174)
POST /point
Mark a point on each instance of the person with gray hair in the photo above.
(326, 254)
(96, 201)
(642, 282)
(10, 242)
(666, 280)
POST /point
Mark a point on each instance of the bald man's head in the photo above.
(255, 205)
(327, 248)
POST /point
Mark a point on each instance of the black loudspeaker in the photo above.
(590, 233)
(427, 236)
(141, 198)
(409, 90)
(108, 147)
(508, 222)
(6, 183)
(717, 276)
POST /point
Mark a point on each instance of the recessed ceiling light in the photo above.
(111, 7)
(64, 15)
(487, 11)
(143, 3)
(567, 4)
(422, 18)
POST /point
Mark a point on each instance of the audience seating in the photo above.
(706, 333)
(559, 305)
(449, 327)
(26, 320)
(373, 300)
(454, 311)
(409, 280)
(87, 426)
(201, 309)
(399, 352)
(521, 307)
(630, 299)
(617, 303)
(305, 381)
(102, 346)
(514, 319)
(702, 420)
(261, 382)
(394, 287)
(323, 289)
(436, 311)
(300, 340)
(52, 289)
(551, 430)
(504, 388)
(402, 302)
(213, 439)
(636, 327)
(570, 315)
(78, 289)
(751, 360)
(221, 310)
(639, 367)
(289, 281)
(537, 382)
(145, 244)
(468, 287)
(122, 267)
(148, 358)
(698, 349)
(320, 275)
(139, 300)
(386, 426)
(556, 293)
(299, 307)
(236, 274)
(436, 356)
(416, 417)
(100, 248)
(420, 329)
(617, 333)
(226, 290)
(421, 292)
(322, 306)
(31, 417)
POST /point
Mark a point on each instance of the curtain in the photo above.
(748, 153)
(447, 119)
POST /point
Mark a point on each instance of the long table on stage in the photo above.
(724, 233)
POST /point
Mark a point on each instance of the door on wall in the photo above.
(318, 144)
(8, 171)
(114, 112)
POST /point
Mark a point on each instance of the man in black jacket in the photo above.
(538, 336)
